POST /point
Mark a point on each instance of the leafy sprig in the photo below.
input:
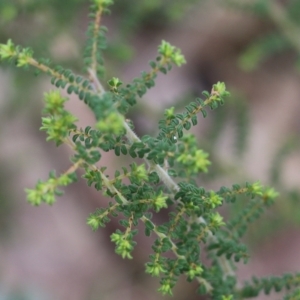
(164, 181)
(96, 37)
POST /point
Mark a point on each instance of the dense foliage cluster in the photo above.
(165, 179)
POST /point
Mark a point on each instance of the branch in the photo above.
(165, 177)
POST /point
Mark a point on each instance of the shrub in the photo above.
(162, 174)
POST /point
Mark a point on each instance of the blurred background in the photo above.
(253, 46)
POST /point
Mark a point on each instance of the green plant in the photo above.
(282, 38)
(165, 180)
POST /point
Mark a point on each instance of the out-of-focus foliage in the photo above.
(283, 33)
(151, 12)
